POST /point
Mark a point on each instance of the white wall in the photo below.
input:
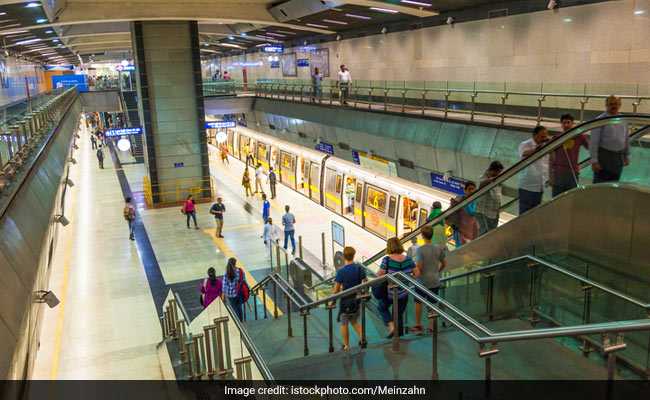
(604, 45)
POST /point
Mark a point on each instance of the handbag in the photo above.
(243, 290)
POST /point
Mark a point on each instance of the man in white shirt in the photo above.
(270, 235)
(345, 80)
(533, 179)
(259, 175)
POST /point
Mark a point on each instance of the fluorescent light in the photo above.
(231, 37)
(49, 31)
(230, 45)
(55, 40)
(384, 10)
(276, 34)
(3, 13)
(287, 32)
(331, 21)
(318, 26)
(639, 12)
(262, 45)
(416, 3)
(568, 19)
(11, 26)
(32, 5)
(29, 41)
(244, 34)
(41, 20)
(357, 16)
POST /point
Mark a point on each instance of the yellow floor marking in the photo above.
(58, 333)
(249, 278)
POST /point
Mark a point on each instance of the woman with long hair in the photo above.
(189, 209)
(233, 280)
(395, 261)
(211, 288)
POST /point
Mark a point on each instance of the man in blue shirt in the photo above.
(266, 208)
(288, 221)
(350, 275)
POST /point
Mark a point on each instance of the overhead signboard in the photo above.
(325, 148)
(121, 67)
(123, 132)
(447, 183)
(273, 49)
(302, 62)
(68, 81)
(59, 67)
(220, 124)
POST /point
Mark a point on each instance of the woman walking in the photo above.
(395, 261)
(233, 281)
(211, 288)
(246, 183)
(189, 209)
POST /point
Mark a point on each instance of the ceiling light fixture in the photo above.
(287, 32)
(331, 21)
(231, 37)
(22, 42)
(384, 10)
(318, 26)
(416, 3)
(32, 5)
(262, 45)
(41, 20)
(357, 16)
(276, 34)
(568, 19)
(639, 12)
(49, 31)
(3, 13)
(243, 34)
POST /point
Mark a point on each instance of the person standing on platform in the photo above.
(93, 142)
(429, 263)
(316, 81)
(211, 288)
(266, 208)
(463, 222)
(533, 179)
(270, 235)
(224, 154)
(259, 175)
(233, 281)
(348, 276)
(246, 183)
(345, 81)
(217, 210)
(564, 169)
(100, 158)
(488, 206)
(189, 209)
(288, 221)
(610, 146)
(272, 180)
(129, 216)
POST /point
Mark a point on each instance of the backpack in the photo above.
(244, 291)
(350, 304)
(127, 213)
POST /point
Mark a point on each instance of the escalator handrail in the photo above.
(552, 145)
(582, 164)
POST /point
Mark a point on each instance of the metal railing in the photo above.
(207, 355)
(176, 191)
(466, 98)
(439, 307)
(25, 133)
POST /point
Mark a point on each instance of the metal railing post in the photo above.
(583, 103)
(356, 95)
(289, 329)
(275, 300)
(487, 354)
(330, 326)
(300, 247)
(385, 99)
(305, 314)
(586, 315)
(264, 303)
(364, 340)
(532, 299)
(278, 260)
(403, 101)
(424, 100)
(610, 349)
(433, 318)
(370, 98)
(207, 334)
(255, 305)
(489, 303)
(396, 325)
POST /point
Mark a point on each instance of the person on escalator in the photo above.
(463, 222)
(348, 276)
(533, 179)
(610, 146)
(564, 168)
(439, 235)
(395, 261)
(488, 206)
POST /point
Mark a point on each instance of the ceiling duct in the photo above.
(295, 9)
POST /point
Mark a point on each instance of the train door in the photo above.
(424, 214)
(305, 165)
(263, 155)
(375, 208)
(244, 147)
(314, 182)
(230, 142)
(253, 149)
(349, 196)
(288, 169)
(358, 203)
(275, 158)
(333, 190)
(409, 215)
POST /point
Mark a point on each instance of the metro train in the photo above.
(383, 205)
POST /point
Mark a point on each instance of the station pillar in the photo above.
(170, 103)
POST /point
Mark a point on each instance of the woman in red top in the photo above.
(189, 209)
(211, 288)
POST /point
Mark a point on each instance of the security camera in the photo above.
(552, 4)
(48, 297)
(69, 182)
(384, 30)
(450, 20)
(61, 219)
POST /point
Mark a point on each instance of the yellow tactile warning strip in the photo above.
(249, 278)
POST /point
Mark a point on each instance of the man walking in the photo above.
(429, 263)
(533, 178)
(348, 276)
(217, 210)
(259, 174)
(129, 216)
(266, 208)
(610, 146)
(100, 158)
(345, 80)
(272, 180)
(93, 142)
(288, 221)
(271, 235)
(564, 168)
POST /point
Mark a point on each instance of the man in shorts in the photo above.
(350, 275)
(429, 262)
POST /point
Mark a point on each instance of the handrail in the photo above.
(554, 267)
(250, 345)
(288, 289)
(553, 144)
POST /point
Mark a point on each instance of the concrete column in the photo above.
(170, 103)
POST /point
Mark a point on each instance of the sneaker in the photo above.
(131, 237)
(221, 236)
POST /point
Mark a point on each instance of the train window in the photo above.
(262, 151)
(287, 160)
(330, 183)
(376, 199)
(392, 205)
(359, 190)
(339, 183)
(423, 215)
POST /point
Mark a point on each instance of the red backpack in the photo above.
(243, 290)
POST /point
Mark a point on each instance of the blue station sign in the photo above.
(123, 132)
(325, 148)
(448, 184)
(273, 49)
(220, 124)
